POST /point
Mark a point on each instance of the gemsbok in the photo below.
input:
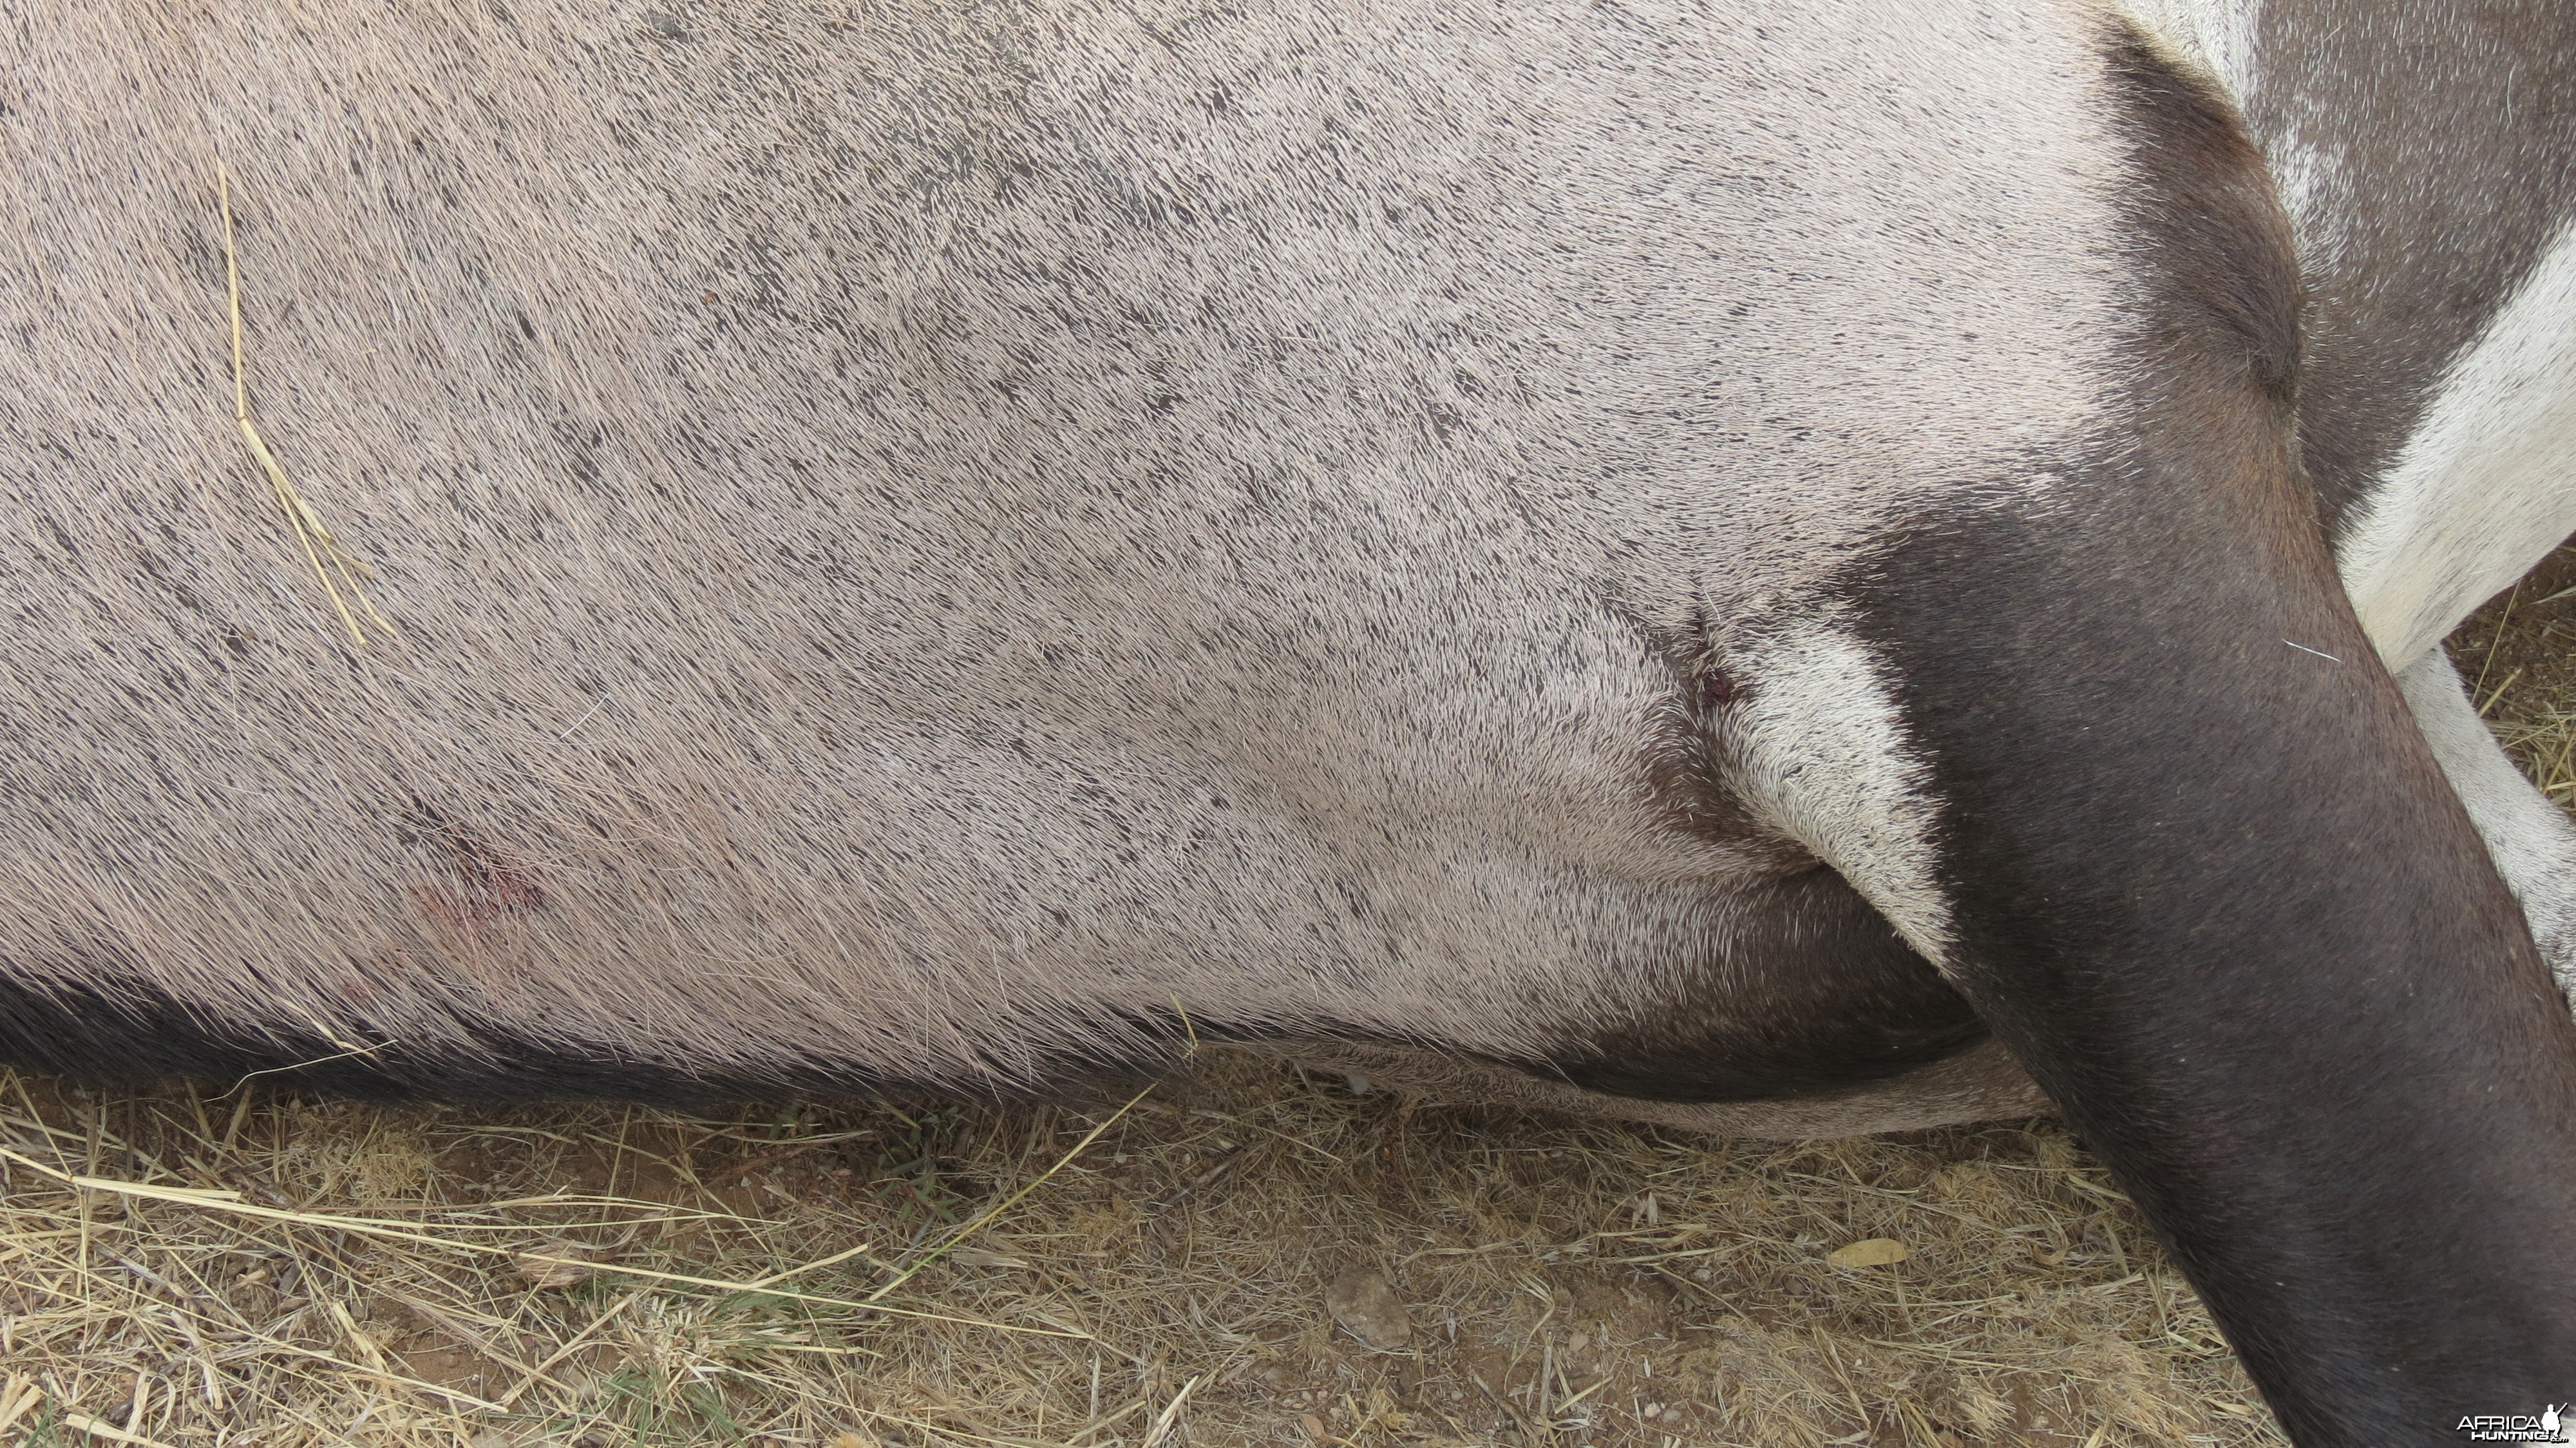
(1772, 566)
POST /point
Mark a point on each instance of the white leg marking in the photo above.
(2533, 841)
(2487, 485)
(1823, 758)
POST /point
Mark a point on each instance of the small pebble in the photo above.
(1365, 1305)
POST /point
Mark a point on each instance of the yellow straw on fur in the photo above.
(319, 545)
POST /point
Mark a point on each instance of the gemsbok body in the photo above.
(1781, 568)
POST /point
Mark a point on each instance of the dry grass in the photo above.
(258, 1268)
(354, 1278)
(2520, 654)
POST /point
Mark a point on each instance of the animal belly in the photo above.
(1809, 991)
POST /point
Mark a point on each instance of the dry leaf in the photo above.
(552, 1265)
(1366, 1306)
(1869, 1252)
(983, 1257)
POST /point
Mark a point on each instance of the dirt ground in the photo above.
(1246, 1254)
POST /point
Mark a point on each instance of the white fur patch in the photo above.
(2306, 174)
(2533, 841)
(1823, 758)
(2487, 484)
